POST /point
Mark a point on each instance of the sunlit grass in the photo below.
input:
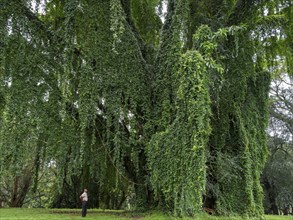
(278, 217)
(75, 214)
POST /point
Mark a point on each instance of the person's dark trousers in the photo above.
(83, 212)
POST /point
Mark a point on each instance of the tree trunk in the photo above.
(20, 189)
(271, 196)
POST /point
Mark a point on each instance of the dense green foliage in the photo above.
(144, 113)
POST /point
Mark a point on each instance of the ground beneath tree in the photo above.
(123, 214)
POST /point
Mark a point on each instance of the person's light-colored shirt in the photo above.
(84, 197)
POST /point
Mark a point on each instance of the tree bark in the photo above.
(271, 196)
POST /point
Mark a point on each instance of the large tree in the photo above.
(169, 113)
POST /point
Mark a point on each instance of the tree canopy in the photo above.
(139, 105)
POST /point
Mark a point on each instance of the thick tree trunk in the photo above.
(271, 196)
(20, 189)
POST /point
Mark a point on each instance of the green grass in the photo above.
(275, 217)
(75, 214)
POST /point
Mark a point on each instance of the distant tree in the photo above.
(278, 173)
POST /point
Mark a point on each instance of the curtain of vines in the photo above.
(83, 71)
(135, 109)
(238, 145)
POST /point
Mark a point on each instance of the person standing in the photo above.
(84, 199)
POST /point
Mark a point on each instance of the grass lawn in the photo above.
(75, 214)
